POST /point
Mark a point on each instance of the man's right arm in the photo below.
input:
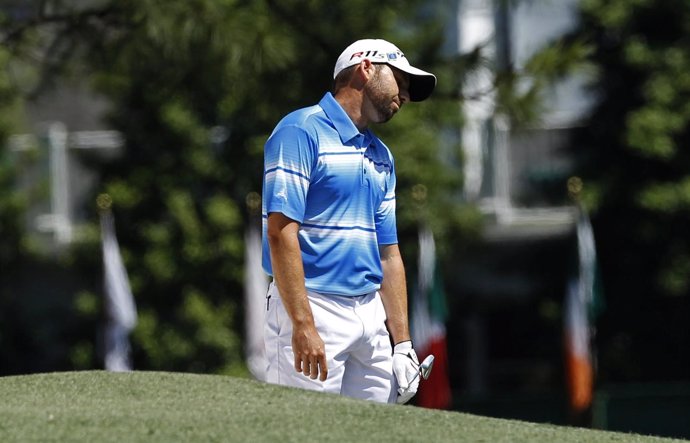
(288, 272)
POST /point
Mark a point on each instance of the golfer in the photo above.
(336, 311)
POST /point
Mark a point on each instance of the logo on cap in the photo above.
(376, 56)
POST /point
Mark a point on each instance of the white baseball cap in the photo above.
(422, 83)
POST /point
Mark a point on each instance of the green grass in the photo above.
(98, 406)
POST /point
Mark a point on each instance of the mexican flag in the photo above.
(429, 313)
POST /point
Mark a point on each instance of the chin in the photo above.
(385, 114)
(385, 118)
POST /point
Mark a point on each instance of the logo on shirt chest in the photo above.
(375, 173)
(344, 173)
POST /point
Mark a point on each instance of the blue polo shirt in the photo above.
(339, 184)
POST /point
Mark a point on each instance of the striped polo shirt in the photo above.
(339, 184)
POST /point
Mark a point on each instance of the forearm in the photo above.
(394, 293)
(288, 270)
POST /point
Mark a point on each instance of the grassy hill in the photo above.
(167, 407)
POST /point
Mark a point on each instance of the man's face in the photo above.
(387, 91)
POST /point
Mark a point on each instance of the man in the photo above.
(336, 314)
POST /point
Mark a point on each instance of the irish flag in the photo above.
(580, 304)
(428, 325)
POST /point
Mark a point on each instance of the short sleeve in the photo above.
(386, 230)
(289, 158)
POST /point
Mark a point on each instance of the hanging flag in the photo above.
(255, 286)
(429, 313)
(582, 302)
(121, 313)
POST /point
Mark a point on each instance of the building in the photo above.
(509, 291)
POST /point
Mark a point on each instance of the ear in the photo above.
(365, 70)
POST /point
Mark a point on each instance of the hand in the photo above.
(405, 368)
(309, 351)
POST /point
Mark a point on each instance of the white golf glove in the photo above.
(405, 368)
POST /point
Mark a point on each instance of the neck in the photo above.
(351, 102)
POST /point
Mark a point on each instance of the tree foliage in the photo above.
(196, 87)
(637, 168)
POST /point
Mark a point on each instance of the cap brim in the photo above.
(422, 83)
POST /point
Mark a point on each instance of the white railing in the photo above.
(58, 142)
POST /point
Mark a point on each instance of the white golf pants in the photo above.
(358, 348)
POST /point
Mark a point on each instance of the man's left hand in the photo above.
(405, 368)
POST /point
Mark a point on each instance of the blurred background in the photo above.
(543, 191)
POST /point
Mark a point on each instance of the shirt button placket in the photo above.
(364, 167)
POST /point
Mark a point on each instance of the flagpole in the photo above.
(580, 353)
(120, 310)
(575, 186)
(429, 311)
(255, 286)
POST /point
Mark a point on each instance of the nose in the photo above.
(404, 95)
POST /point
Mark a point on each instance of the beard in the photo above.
(381, 99)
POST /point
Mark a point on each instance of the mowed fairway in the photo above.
(98, 406)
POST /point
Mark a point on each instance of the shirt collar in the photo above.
(342, 122)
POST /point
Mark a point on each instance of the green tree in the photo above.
(14, 248)
(11, 210)
(196, 87)
(636, 167)
(196, 95)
